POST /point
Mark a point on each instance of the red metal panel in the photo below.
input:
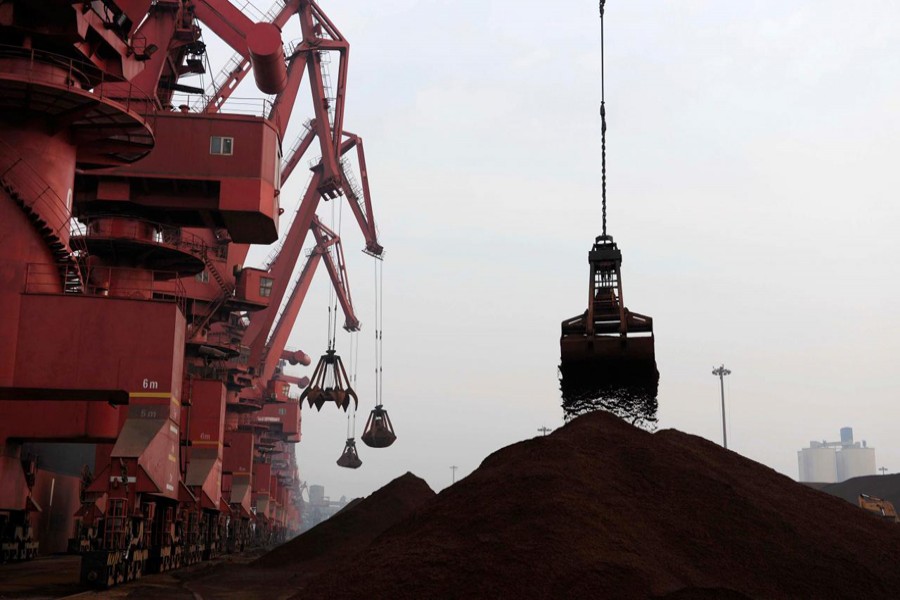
(206, 424)
(22, 245)
(238, 457)
(67, 342)
(285, 417)
(72, 421)
(100, 343)
(13, 486)
(205, 429)
(242, 183)
(262, 477)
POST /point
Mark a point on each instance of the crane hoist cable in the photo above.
(351, 432)
(379, 332)
(603, 117)
(379, 431)
(332, 296)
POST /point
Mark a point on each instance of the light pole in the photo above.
(883, 470)
(453, 471)
(721, 372)
(544, 430)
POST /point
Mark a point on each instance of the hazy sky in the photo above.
(752, 175)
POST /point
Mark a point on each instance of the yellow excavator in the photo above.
(878, 507)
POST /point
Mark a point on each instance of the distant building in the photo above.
(833, 462)
(320, 507)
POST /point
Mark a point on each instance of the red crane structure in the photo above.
(134, 338)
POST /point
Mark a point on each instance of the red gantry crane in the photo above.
(125, 337)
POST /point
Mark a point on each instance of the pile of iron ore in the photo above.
(601, 509)
(337, 540)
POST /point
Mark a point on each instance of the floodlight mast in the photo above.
(721, 372)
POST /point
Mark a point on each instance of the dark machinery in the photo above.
(607, 352)
(379, 432)
(329, 383)
(349, 457)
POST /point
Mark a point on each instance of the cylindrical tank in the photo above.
(854, 461)
(317, 494)
(267, 57)
(818, 465)
(846, 436)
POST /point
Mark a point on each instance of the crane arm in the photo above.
(359, 197)
(260, 43)
(328, 246)
(226, 21)
(337, 271)
(280, 270)
(240, 66)
(300, 148)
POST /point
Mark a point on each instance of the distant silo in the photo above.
(846, 436)
(818, 464)
(317, 494)
(854, 461)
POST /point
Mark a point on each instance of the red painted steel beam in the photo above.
(331, 178)
(334, 263)
(228, 86)
(285, 324)
(343, 47)
(364, 217)
(261, 322)
(259, 42)
(296, 357)
(158, 29)
(326, 241)
(226, 21)
(283, 105)
(294, 159)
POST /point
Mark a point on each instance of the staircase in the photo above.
(211, 267)
(34, 196)
(219, 302)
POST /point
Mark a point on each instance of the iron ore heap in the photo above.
(145, 418)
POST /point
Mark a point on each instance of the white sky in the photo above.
(752, 152)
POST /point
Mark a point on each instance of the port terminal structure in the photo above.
(146, 421)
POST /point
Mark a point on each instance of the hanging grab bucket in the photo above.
(350, 458)
(379, 432)
(321, 390)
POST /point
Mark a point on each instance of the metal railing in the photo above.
(142, 230)
(109, 282)
(81, 76)
(33, 190)
(251, 107)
